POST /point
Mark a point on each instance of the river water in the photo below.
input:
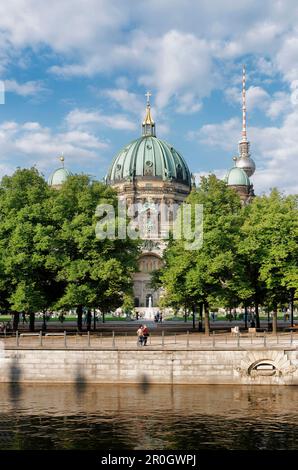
(142, 417)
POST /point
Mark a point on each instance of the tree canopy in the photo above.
(249, 254)
(50, 256)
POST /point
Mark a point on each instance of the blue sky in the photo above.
(75, 74)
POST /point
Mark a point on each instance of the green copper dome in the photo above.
(149, 157)
(58, 177)
(237, 177)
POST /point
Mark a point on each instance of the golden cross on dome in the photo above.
(148, 94)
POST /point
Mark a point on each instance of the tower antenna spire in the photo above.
(244, 160)
(244, 136)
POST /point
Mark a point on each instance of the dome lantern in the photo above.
(148, 125)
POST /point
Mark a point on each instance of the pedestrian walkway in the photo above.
(156, 340)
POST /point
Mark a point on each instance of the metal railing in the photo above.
(160, 339)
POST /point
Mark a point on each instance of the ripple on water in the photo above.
(163, 417)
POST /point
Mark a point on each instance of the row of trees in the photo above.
(49, 255)
(249, 255)
(51, 259)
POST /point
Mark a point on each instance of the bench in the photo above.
(29, 334)
(293, 328)
(54, 334)
(235, 330)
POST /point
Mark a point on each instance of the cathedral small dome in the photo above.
(237, 177)
(59, 176)
(149, 157)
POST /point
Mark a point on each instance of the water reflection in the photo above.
(84, 416)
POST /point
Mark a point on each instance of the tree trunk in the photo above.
(230, 314)
(257, 315)
(185, 314)
(44, 323)
(80, 317)
(245, 316)
(274, 320)
(31, 321)
(292, 306)
(94, 320)
(16, 319)
(200, 327)
(89, 319)
(206, 318)
(103, 316)
(194, 317)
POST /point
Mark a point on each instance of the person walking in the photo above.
(145, 334)
(140, 335)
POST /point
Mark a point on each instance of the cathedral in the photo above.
(152, 172)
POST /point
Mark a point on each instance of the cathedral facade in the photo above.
(152, 173)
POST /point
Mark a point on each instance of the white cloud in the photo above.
(222, 135)
(79, 118)
(31, 126)
(273, 148)
(64, 25)
(279, 105)
(178, 65)
(188, 104)
(273, 106)
(29, 88)
(129, 102)
(135, 106)
(6, 169)
(287, 58)
(257, 97)
(265, 66)
(180, 50)
(169, 47)
(32, 144)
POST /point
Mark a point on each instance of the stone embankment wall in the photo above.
(140, 365)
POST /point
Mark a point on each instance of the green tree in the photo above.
(199, 277)
(25, 227)
(269, 245)
(97, 272)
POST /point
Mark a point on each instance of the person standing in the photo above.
(140, 335)
(145, 334)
